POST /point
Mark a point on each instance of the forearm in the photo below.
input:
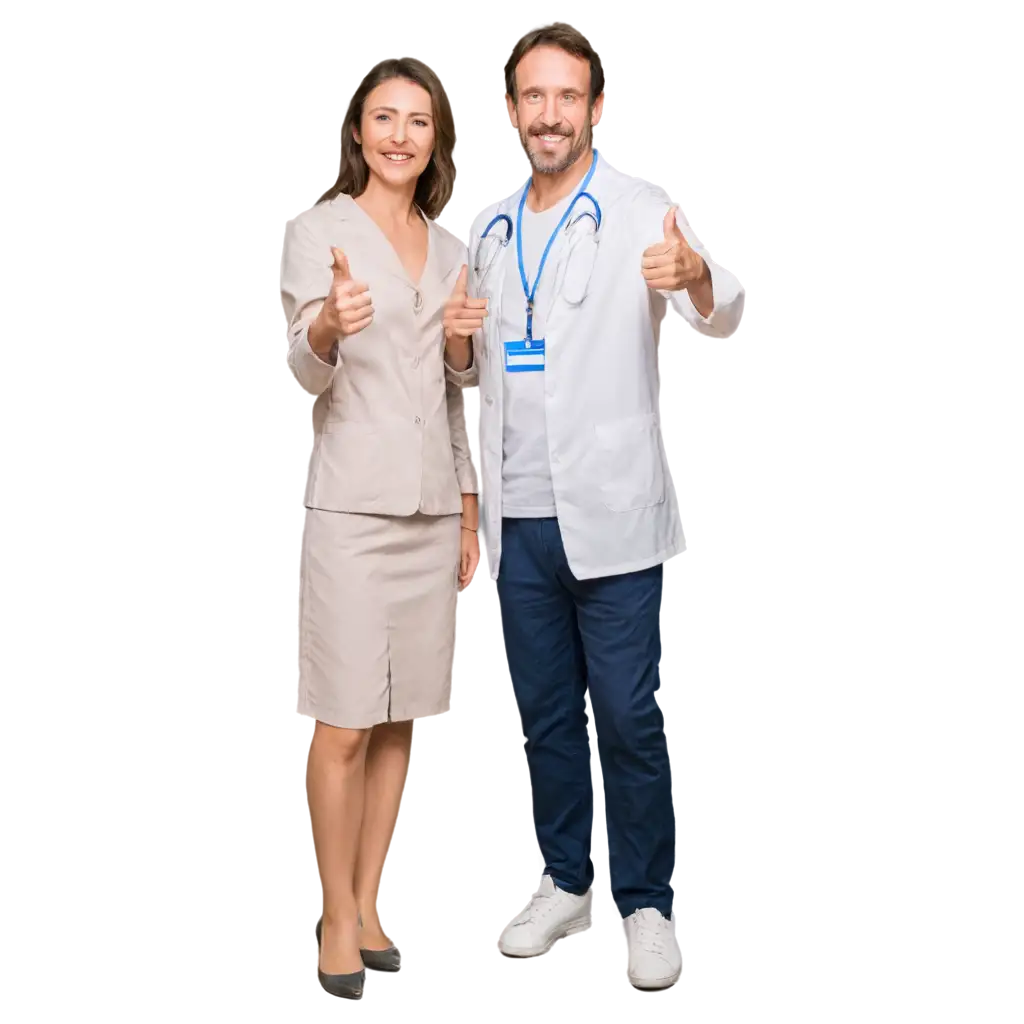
(321, 340)
(305, 282)
(313, 372)
(726, 311)
(463, 459)
(702, 293)
(470, 512)
(458, 351)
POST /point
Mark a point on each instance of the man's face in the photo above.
(553, 113)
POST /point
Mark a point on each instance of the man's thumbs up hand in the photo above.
(671, 265)
(671, 229)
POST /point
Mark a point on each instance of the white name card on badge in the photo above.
(524, 356)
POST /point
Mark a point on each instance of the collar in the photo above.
(605, 183)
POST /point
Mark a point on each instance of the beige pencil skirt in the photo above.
(377, 616)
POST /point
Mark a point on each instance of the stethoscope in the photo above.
(503, 240)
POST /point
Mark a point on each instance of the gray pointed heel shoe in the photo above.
(341, 986)
(389, 959)
(335, 986)
(382, 959)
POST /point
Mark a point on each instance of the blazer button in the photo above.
(489, 400)
(417, 302)
(416, 361)
(418, 420)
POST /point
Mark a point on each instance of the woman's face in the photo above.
(396, 131)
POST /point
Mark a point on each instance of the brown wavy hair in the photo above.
(435, 184)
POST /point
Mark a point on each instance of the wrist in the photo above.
(458, 351)
(702, 293)
(470, 513)
(703, 278)
(321, 338)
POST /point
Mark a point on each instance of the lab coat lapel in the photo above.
(558, 314)
(496, 281)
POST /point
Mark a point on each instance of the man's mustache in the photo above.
(545, 130)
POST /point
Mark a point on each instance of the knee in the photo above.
(345, 747)
(394, 736)
(632, 728)
(546, 720)
(392, 732)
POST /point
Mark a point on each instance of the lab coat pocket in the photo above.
(632, 474)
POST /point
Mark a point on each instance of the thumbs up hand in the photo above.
(463, 315)
(671, 265)
(348, 307)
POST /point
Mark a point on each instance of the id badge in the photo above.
(524, 356)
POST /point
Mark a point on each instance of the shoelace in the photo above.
(539, 905)
(650, 937)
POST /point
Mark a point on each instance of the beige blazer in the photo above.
(389, 431)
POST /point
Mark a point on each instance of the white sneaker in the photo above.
(550, 915)
(654, 957)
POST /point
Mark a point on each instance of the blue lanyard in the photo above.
(529, 292)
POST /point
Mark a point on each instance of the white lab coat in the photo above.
(616, 505)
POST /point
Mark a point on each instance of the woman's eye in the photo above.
(381, 117)
(422, 124)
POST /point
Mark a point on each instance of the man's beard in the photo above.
(544, 165)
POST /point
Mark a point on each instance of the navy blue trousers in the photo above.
(564, 636)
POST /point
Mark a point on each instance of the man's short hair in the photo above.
(576, 43)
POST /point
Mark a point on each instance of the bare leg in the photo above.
(387, 762)
(335, 776)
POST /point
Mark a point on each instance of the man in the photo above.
(578, 503)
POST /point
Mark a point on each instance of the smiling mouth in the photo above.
(397, 158)
(551, 138)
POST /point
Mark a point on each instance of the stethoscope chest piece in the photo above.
(496, 237)
(579, 266)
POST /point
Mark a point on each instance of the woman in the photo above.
(374, 292)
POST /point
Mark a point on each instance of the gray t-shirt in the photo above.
(525, 468)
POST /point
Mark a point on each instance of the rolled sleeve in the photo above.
(467, 378)
(728, 295)
(465, 471)
(312, 372)
(305, 283)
